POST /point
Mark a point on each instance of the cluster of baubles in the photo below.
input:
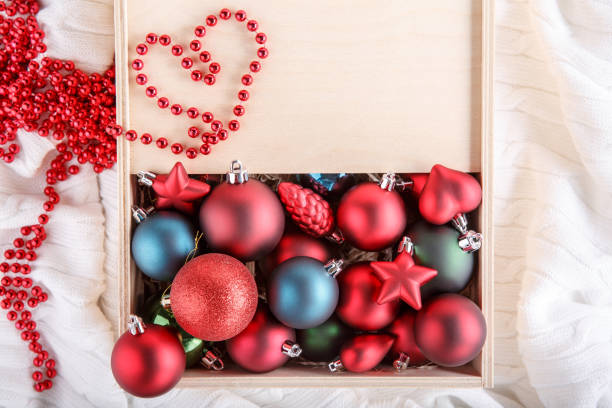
(307, 302)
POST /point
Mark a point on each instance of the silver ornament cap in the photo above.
(237, 173)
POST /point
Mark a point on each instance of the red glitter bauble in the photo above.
(365, 351)
(370, 217)
(148, 364)
(403, 329)
(213, 297)
(245, 220)
(258, 347)
(294, 244)
(450, 330)
(357, 307)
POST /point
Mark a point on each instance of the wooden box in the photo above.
(350, 86)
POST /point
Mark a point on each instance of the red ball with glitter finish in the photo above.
(309, 210)
(370, 217)
(242, 217)
(294, 244)
(213, 297)
(448, 193)
(403, 330)
(365, 351)
(258, 347)
(357, 306)
(148, 364)
(450, 330)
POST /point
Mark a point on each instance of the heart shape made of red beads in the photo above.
(217, 130)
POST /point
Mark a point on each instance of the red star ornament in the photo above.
(178, 190)
(402, 279)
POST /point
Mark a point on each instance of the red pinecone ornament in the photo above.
(308, 209)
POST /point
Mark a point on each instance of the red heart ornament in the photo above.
(448, 193)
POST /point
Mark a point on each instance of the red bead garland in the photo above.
(197, 75)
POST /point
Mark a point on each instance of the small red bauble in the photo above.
(450, 330)
(357, 305)
(365, 351)
(370, 217)
(150, 363)
(403, 330)
(258, 348)
(294, 244)
(242, 217)
(213, 297)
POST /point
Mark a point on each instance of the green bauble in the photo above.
(436, 246)
(322, 343)
(156, 314)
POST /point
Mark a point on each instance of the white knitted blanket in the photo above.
(553, 138)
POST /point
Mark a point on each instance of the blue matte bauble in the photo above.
(301, 293)
(327, 183)
(161, 243)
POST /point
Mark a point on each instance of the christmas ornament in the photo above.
(242, 217)
(308, 209)
(436, 247)
(357, 306)
(402, 279)
(155, 313)
(294, 244)
(322, 343)
(213, 297)
(217, 131)
(327, 184)
(447, 196)
(147, 361)
(362, 353)
(450, 330)
(174, 190)
(264, 345)
(371, 217)
(404, 351)
(303, 292)
(161, 242)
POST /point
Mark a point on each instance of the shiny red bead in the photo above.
(9, 254)
(225, 14)
(18, 306)
(261, 38)
(209, 79)
(176, 148)
(176, 109)
(191, 153)
(240, 15)
(18, 242)
(141, 79)
(137, 64)
(211, 21)
(207, 117)
(252, 25)
(32, 302)
(163, 102)
(223, 134)
(243, 95)
(239, 110)
(73, 169)
(196, 75)
(11, 315)
(146, 138)
(262, 52)
(255, 66)
(27, 282)
(177, 50)
(216, 125)
(204, 149)
(214, 67)
(4, 267)
(5, 281)
(141, 49)
(205, 56)
(38, 362)
(151, 91)
(131, 135)
(247, 79)
(51, 373)
(50, 363)
(187, 63)
(36, 290)
(164, 39)
(161, 142)
(193, 132)
(193, 113)
(25, 230)
(5, 304)
(151, 38)
(195, 45)
(200, 31)
(43, 218)
(233, 125)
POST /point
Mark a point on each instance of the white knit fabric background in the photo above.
(553, 308)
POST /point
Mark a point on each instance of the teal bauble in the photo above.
(436, 246)
(322, 343)
(154, 313)
(161, 243)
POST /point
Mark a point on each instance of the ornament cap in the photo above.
(145, 178)
(136, 325)
(165, 301)
(405, 245)
(401, 363)
(211, 360)
(388, 181)
(336, 237)
(469, 241)
(334, 267)
(237, 173)
(140, 214)
(336, 365)
(291, 349)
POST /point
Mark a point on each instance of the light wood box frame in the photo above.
(478, 374)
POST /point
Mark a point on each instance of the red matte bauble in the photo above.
(448, 193)
(450, 330)
(403, 330)
(370, 217)
(148, 364)
(294, 244)
(213, 297)
(357, 306)
(258, 347)
(365, 351)
(245, 220)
